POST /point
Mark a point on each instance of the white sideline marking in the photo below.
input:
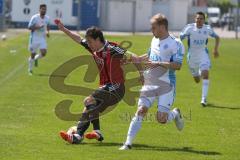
(12, 73)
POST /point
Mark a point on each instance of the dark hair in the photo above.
(95, 32)
(160, 19)
(201, 13)
(42, 5)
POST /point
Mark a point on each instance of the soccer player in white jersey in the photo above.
(39, 27)
(164, 57)
(198, 57)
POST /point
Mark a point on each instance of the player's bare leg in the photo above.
(197, 79)
(42, 54)
(175, 114)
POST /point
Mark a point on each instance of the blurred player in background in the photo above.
(198, 57)
(164, 57)
(39, 27)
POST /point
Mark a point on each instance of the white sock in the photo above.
(78, 136)
(30, 63)
(98, 131)
(171, 115)
(205, 84)
(38, 56)
(134, 127)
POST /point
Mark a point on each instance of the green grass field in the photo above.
(29, 127)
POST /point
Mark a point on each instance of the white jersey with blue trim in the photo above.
(197, 38)
(166, 50)
(39, 34)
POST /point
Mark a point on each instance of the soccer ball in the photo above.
(3, 37)
(72, 130)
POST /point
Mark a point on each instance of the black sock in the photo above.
(96, 124)
(94, 116)
(83, 124)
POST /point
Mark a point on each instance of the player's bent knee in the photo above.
(89, 100)
(43, 52)
(142, 111)
(33, 55)
(205, 74)
(162, 117)
(197, 79)
(162, 121)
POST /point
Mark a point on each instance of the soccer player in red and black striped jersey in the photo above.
(108, 57)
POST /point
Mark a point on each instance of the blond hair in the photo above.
(160, 19)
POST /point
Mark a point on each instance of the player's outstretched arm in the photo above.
(217, 42)
(35, 27)
(48, 31)
(171, 65)
(76, 37)
(167, 65)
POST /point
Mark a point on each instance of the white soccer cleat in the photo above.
(125, 147)
(204, 102)
(179, 122)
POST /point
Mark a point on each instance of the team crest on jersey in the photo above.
(165, 46)
(98, 60)
(27, 2)
(104, 53)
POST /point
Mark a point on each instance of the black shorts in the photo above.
(108, 95)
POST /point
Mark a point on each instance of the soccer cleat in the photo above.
(36, 63)
(178, 119)
(30, 72)
(204, 102)
(71, 138)
(94, 135)
(125, 147)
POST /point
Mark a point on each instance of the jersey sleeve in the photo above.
(32, 22)
(178, 53)
(85, 45)
(211, 32)
(117, 51)
(185, 32)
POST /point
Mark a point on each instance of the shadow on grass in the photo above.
(210, 105)
(159, 148)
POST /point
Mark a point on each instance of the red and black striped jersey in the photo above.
(108, 61)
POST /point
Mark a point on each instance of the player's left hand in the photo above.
(215, 53)
(48, 35)
(152, 65)
(141, 78)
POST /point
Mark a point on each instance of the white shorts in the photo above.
(35, 45)
(196, 65)
(165, 100)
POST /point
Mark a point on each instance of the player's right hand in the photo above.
(39, 26)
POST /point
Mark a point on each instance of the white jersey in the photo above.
(39, 34)
(166, 50)
(197, 39)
